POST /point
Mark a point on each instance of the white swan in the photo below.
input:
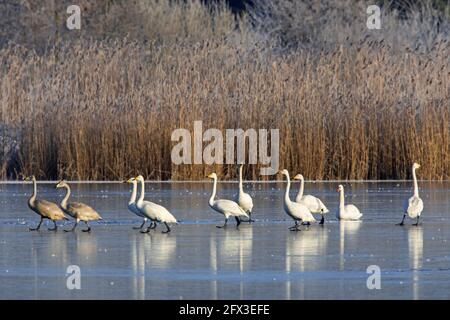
(296, 211)
(346, 212)
(315, 205)
(153, 211)
(244, 200)
(226, 207)
(414, 205)
(132, 203)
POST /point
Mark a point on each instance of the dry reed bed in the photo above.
(96, 110)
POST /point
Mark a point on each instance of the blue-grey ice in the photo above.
(263, 260)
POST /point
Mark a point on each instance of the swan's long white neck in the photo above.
(133, 193)
(341, 199)
(288, 187)
(416, 186)
(141, 197)
(213, 195)
(66, 198)
(300, 191)
(241, 187)
(32, 199)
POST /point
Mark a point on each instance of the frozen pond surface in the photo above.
(263, 260)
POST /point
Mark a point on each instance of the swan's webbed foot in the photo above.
(403, 220)
(322, 221)
(55, 228)
(88, 228)
(168, 228)
(238, 221)
(73, 228)
(417, 223)
(37, 227)
(139, 227)
(224, 225)
(295, 227)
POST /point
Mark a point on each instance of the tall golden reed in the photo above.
(90, 109)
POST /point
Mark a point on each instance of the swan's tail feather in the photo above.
(244, 213)
(171, 219)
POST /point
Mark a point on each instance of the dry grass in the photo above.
(106, 109)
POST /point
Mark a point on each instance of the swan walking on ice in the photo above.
(45, 209)
(315, 205)
(346, 212)
(244, 200)
(414, 205)
(297, 211)
(132, 203)
(77, 210)
(153, 211)
(228, 208)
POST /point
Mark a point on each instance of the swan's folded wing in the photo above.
(148, 209)
(322, 206)
(415, 206)
(230, 207)
(311, 202)
(301, 211)
(353, 212)
(76, 206)
(83, 211)
(163, 215)
(46, 206)
(245, 202)
(50, 209)
(158, 212)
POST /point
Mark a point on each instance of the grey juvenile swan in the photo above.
(45, 209)
(77, 210)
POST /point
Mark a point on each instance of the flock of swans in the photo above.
(301, 210)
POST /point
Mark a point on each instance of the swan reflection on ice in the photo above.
(415, 245)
